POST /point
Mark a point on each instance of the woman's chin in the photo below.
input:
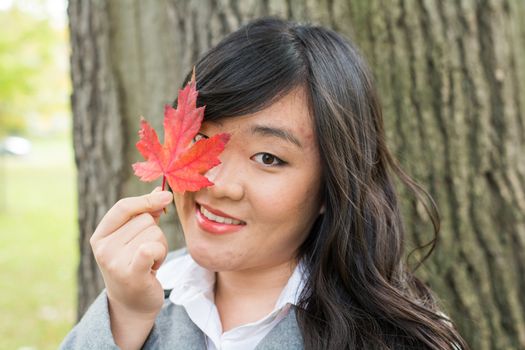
(210, 258)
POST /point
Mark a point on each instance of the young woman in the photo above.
(299, 242)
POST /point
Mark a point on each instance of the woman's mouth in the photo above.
(216, 224)
(222, 220)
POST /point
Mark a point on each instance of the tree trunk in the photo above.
(451, 78)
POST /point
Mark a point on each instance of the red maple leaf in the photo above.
(178, 160)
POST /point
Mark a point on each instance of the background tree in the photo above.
(451, 77)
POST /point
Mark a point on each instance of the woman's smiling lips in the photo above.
(215, 227)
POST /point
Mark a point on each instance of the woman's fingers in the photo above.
(131, 229)
(115, 257)
(157, 213)
(149, 256)
(150, 234)
(127, 208)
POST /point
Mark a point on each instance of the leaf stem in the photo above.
(163, 186)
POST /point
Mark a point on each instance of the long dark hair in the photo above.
(359, 294)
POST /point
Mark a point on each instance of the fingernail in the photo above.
(164, 196)
(156, 189)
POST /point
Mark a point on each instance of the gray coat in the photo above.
(173, 329)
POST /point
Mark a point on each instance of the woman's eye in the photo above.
(269, 159)
(197, 138)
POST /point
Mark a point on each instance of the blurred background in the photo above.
(38, 233)
(451, 76)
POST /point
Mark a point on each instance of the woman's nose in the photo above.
(226, 178)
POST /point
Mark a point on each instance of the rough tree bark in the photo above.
(451, 78)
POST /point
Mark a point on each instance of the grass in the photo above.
(38, 245)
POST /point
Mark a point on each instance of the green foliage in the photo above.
(39, 248)
(33, 70)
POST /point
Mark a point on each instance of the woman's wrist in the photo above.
(130, 328)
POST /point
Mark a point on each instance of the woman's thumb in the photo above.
(156, 189)
(156, 214)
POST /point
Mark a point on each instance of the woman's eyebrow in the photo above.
(283, 134)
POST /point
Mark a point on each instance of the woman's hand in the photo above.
(129, 247)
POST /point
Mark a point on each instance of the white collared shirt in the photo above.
(193, 288)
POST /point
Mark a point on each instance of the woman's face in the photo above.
(277, 203)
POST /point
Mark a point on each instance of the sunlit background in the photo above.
(38, 232)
